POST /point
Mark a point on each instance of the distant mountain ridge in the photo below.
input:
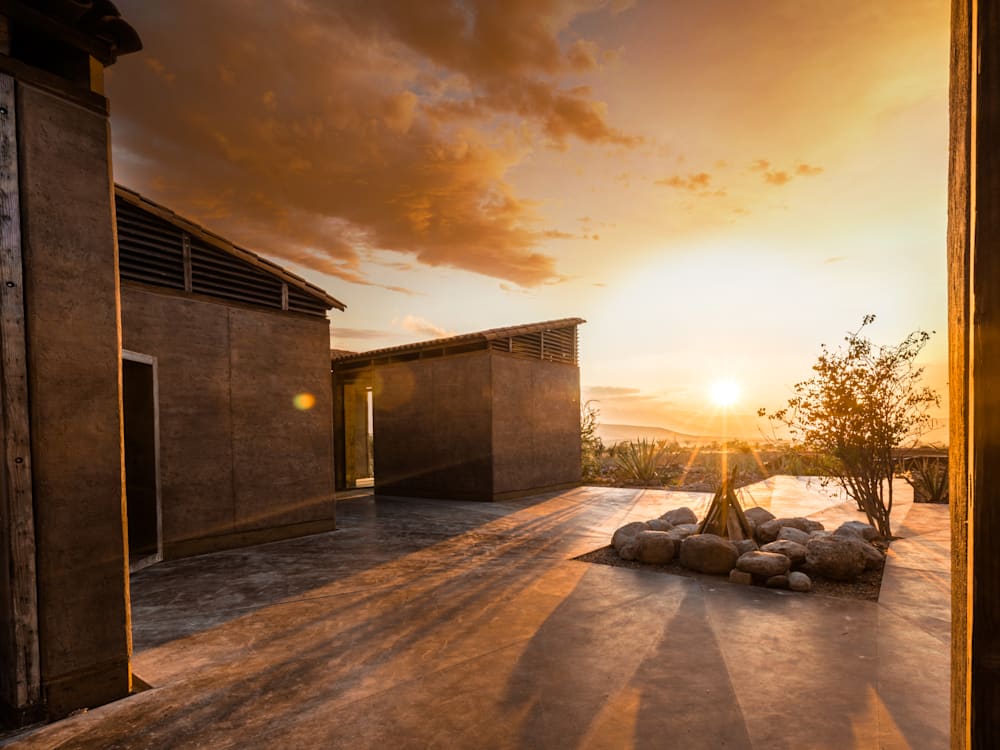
(620, 433)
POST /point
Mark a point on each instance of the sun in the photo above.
(724, 392)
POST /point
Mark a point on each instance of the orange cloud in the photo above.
(423, 327)
(692, 182)
(807, 171)
(342, 128)
(777, 177)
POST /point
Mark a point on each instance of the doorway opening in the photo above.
(140, 412)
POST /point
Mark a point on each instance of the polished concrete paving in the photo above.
(423, 624)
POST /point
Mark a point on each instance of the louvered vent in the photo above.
(557, 345)
(150, 250)
(219, 274)
(301, 302)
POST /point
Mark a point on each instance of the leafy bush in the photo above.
(862, 402)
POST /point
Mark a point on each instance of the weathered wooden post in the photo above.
(64, 613)
(974, 353)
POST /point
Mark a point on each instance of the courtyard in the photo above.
(450, 624)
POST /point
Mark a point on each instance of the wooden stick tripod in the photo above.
(725, 516)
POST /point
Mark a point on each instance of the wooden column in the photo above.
(974, 339)
(17, 515)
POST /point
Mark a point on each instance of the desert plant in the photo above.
(591, 446)
(637, 460)
(928, 476)
(861, 404)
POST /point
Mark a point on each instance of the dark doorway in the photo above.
(139, 410)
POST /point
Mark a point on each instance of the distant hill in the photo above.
(619, 433)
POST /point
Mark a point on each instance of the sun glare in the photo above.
(724, 392)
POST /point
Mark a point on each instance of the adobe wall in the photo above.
(71, 309)
(432, 427)
(536, 425)
(239, 463)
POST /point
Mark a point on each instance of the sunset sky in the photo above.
(717, 187)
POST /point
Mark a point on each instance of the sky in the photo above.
(716, 187)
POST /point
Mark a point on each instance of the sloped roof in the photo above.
(217, 241)
(485, 336)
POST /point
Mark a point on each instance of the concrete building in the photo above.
(226, 395)
(482, 416)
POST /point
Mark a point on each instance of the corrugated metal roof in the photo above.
(186, 225)
(487, 335)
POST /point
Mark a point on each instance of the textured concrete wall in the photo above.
(71, 293)
(239, 463)
(536, 425)
(432, 427)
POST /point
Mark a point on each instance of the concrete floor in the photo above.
(423, 624)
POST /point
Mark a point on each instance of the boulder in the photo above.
(679, 516)
(627, 533)
(763, 564)
(738, 576)
(689, 528)
(799, 581)
(874, 557)
(629, 549)
(777, 582)
(744, 545)
(768, 531)
(865, 531)
(814, 534)
(708, 553)
(795, 552)
(802, 524)
(655, 547)
(839, 558)
(793, 534)
(659, 524)
(757, 515)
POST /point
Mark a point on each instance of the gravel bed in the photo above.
(865, 587)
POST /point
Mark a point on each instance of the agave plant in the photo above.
(928, 476)
(637, 460)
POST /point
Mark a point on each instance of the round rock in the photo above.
(758, 515)
(768, 531)
(795, 552)
(678, 516)
(865, 531)
(802, 524)
(659, 524)
(655, 547)
(873, 556)
(777, 582)
(793, 534)
(799, 581)
(708, 553)
(838, 558)
(744, 545)
(763, 564)
(627, 533)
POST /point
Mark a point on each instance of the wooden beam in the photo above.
(186, 253)
(19, 510)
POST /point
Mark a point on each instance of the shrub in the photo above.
(637, 461)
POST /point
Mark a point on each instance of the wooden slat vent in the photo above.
(149, 249)
(220, 274)
(556, 345)
(153, 251)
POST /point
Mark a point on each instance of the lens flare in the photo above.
(304, 401)
(724, 392)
